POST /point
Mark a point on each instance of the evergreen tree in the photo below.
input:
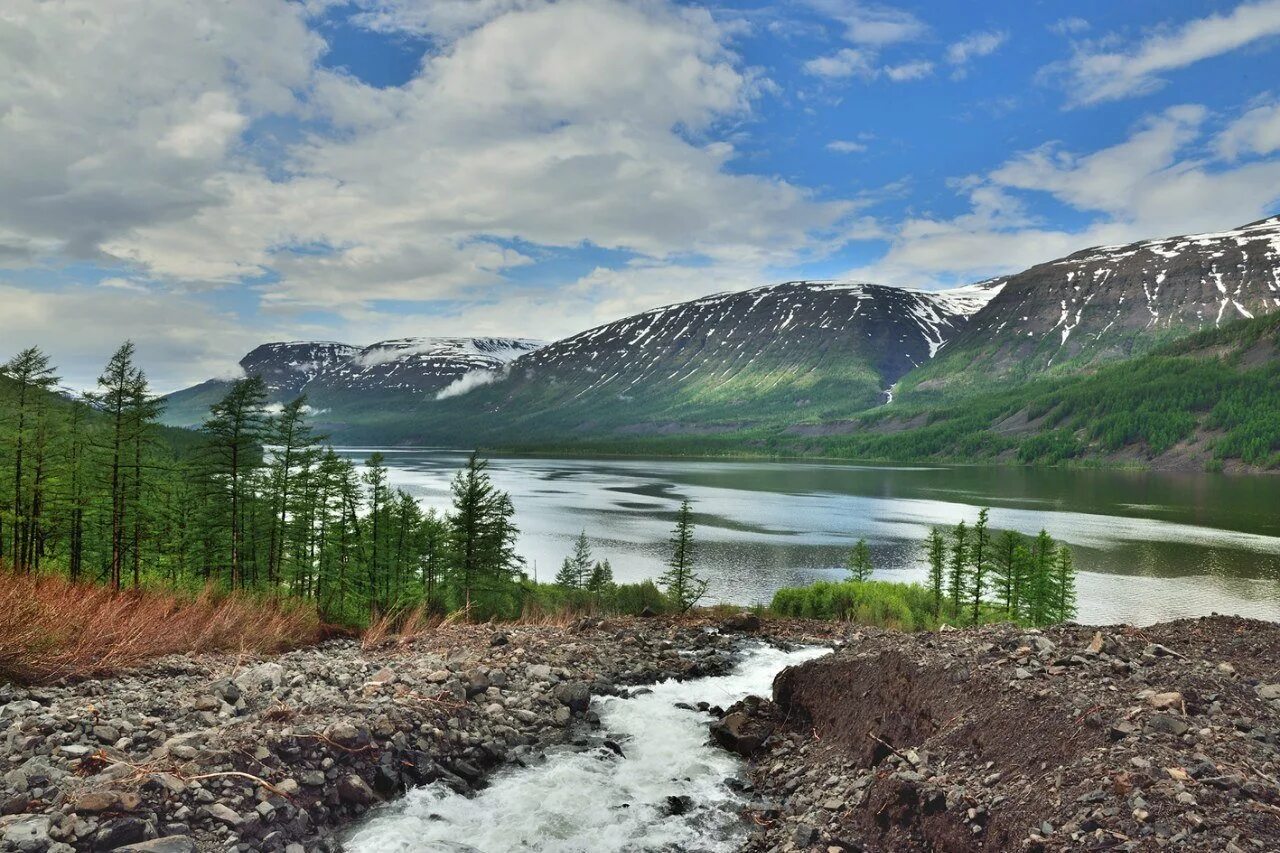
(234, 431)
(292, 439)
(482, 536)
(575, 571)
(32, 374)
(936, 551)
(601, 581)
(1008, 570)
(980, 555)
(859, 562)
(1039, 587)
(434, 543)
(681, 584)
(1063, 586)
(959, 567)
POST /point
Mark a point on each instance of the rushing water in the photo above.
(1149, 546)
(593, 801)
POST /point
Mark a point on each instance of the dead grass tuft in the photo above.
(51, 628)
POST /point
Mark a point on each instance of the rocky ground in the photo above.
(220, 753)
(1000, 738)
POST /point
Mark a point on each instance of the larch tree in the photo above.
(31, 374)
(681, 583)
(959, 567)
(859, 562)
(234, 431)
(936, 554)
(980, 556)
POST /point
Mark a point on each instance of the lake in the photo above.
(1149, 546)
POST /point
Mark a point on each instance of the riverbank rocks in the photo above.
(280, 754)
(996, 738)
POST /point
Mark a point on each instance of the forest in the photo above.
(96, 490)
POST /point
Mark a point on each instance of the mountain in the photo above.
(344, 376)
(1108, 303)
(726, 362)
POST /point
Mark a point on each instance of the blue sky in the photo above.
(206, 176)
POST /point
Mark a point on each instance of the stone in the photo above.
(574, 695)
(1167, 724)
(167, 844)
(117, 833)
(222, 814)
(743, 622)
(1269, 692)
(539, 672)
(343, 733)
(354, 790)
(263, 678)
(1172, 699)
(26, 833)
(740, 733)
(383, 677)
(95, 802)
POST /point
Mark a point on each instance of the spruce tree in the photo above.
(291, 437)
(1039, 591)
(936, 551)
(681, 584)
(859, 562)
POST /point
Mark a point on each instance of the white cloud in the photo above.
(180, 339)
(872, 23)
(972, 46)
(1152, 184)
(553, 124)
(907, 71)
(1070, 26)
(1256, 132)
(1099, 73)
(468, 381)
(846, 146)
(846, 62)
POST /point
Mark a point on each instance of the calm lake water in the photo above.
(1149, 546)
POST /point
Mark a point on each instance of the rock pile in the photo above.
(217, 753)
(1000, 738)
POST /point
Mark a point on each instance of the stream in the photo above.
(594, 801)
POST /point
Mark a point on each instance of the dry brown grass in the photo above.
(51, 628)
(402, 625)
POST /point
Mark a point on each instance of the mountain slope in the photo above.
(1108, 303)
(342, 376)
(781, 352)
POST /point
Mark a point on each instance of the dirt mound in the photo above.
(1006, 739)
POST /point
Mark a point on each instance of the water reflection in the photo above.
(1149, 546)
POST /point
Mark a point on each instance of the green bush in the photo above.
(904, 606)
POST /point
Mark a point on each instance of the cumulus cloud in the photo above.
(1099, 72)
(1152, 184)
(907, 71)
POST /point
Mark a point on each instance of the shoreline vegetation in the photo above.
(121, 541)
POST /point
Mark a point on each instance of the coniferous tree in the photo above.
(292, 439)
(435, 543)
(32, 375)
(575, 571)
(1008, 570)
(980, 556)
(234, 431)
(1039, 587)
(482, 535)
(1063, 586)
(859, 562)
(601, 581)
(681, 583)
(936, 551)
(959, 569)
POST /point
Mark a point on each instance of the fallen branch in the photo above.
(892, 749)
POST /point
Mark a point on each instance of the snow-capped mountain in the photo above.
(797, 328)
(288, 366)
(419, 365)
(1116, 301)
(340, 376)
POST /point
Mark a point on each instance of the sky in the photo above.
(201, 176)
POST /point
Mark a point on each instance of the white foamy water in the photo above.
(594, 802)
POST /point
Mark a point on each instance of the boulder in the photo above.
(741, 622)
(355, 791)
(574, 695)
(168, 844)
(741, 733)
(263, 678)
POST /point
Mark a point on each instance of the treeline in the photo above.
(254, 501)
(975, 576)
